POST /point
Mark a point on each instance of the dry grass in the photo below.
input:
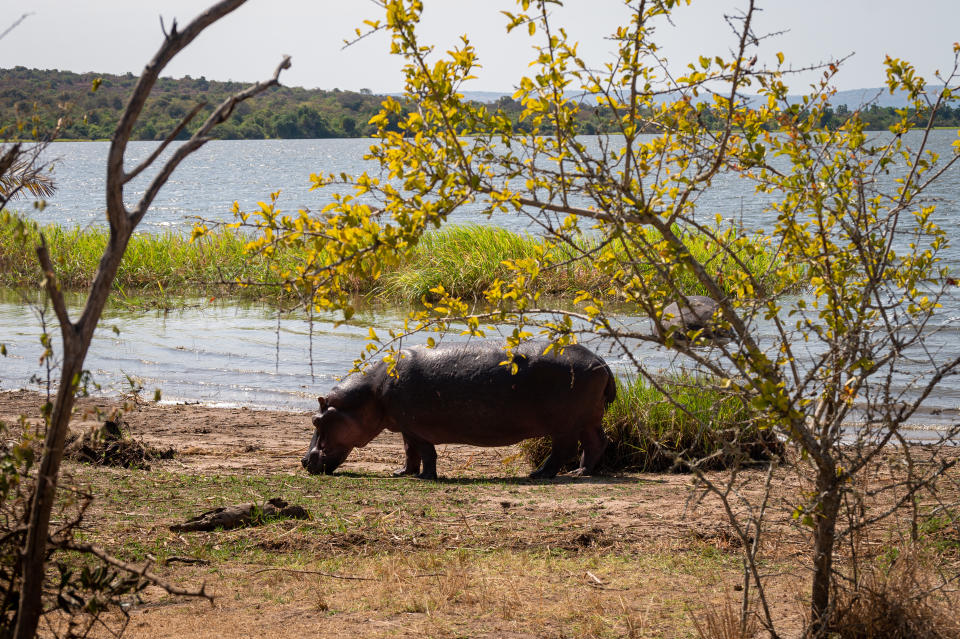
(899, 600)
(724, 622)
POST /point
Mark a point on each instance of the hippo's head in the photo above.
(340, 426)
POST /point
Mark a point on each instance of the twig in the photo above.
(185, 560)
(314, 572)
(15, 24)
(170, 138)
(51, 284)
(199, 138)
(349, 577)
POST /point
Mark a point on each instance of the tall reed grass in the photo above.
(465, 259)
(163, 263)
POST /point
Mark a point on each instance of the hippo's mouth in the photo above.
(322, 463)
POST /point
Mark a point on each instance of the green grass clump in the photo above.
(762, 263)
(648, 433)
(466, 260)
(941, 530)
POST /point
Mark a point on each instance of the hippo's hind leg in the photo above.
(594, 443)
(412, 466)
(563, 448)
(418, 451)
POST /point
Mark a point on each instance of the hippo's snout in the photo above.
(316, 420)
(318, 463)
(313, 461)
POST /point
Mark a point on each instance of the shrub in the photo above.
(895, 601)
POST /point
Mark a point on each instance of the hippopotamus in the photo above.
(696, 313)
(464, 393)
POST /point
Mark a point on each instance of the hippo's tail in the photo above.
(610, 392)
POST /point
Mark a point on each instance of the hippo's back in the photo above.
(464, 393)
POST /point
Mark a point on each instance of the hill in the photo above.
(44, 96)
(282, 112)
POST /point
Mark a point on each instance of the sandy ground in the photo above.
(622, 555)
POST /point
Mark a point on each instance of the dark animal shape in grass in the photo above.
(698, 313)
(464, 394)
(241, 515)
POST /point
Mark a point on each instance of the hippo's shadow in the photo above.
(520, 480)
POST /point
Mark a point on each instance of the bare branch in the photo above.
(141, 571)
(314, 572)
(199, 138)
(170, 138)
(174, 42)
(640, 218)
(52, 286)
(15, 24)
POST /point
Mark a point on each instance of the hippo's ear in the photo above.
(323, 403)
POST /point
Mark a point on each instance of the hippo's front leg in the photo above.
(412, 466)
(429, 455)
(418, 451)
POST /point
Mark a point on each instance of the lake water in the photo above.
(208, 182)
(230, 354)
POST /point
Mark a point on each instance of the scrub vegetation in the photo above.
(94, 102)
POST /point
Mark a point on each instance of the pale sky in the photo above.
(117, 36)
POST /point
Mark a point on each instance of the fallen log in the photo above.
(227, 517)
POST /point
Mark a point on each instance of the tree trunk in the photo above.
(78, 335)
(33, 563)
(828, 489)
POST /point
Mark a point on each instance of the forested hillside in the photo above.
(284, 112)
(42, 97)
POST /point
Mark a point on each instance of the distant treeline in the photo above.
(283, 112)
(42, 97)
(876, 118)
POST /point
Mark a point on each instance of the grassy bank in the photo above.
(466, 259)
(647, 432)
